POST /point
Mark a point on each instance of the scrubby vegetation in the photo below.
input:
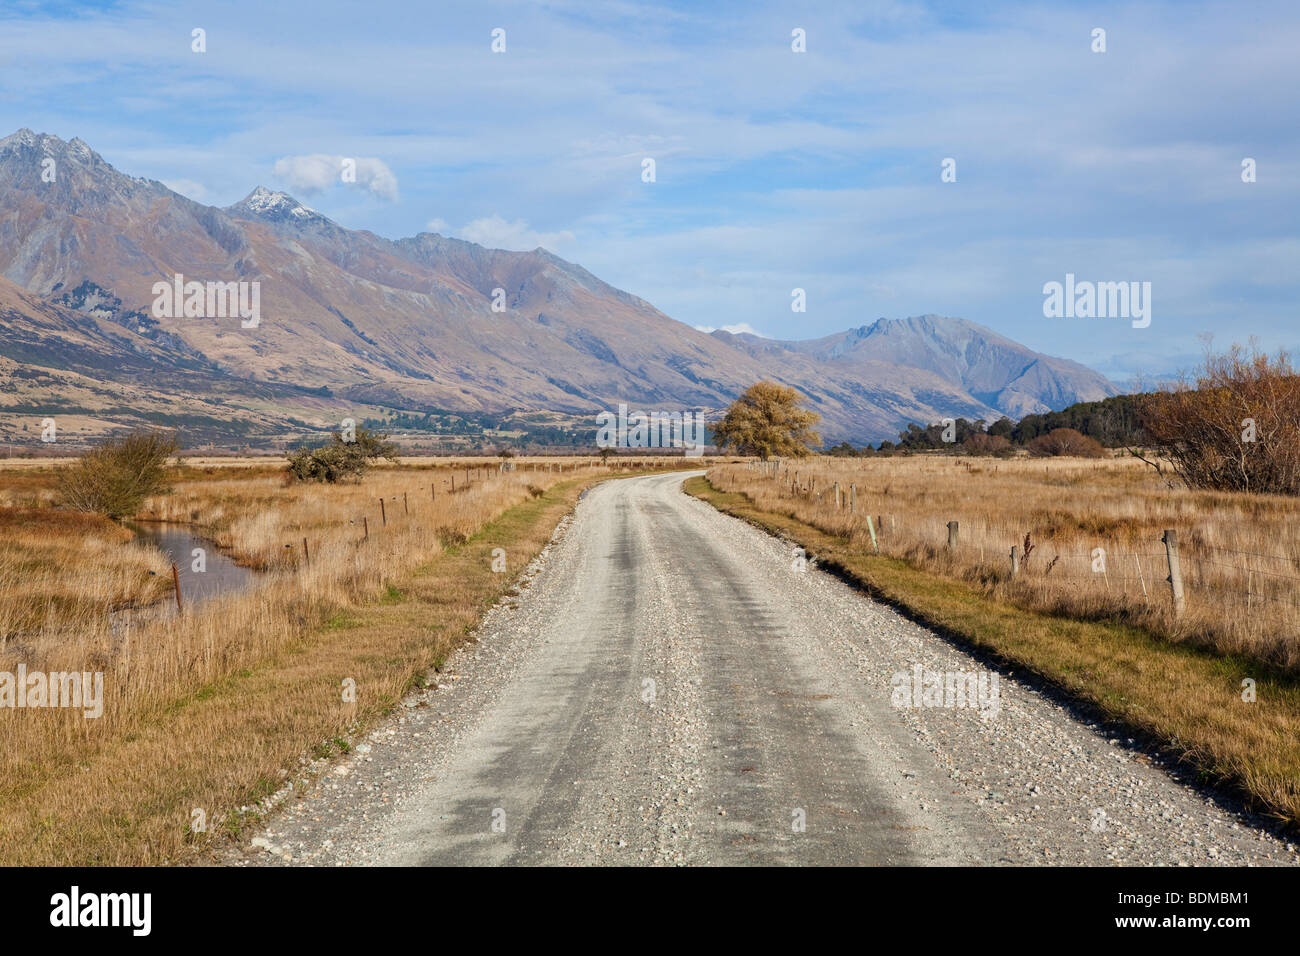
(343, 458)
(1236, 427)
(1112, 423)
(115, 478)
(1067, 442)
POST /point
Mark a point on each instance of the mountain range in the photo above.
(356, 324)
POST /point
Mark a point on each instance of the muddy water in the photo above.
(221, 576)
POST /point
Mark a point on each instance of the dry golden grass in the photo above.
(1240, 559)
(58, 569)
(63, 572)
(205, 708)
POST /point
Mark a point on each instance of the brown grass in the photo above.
(207, 708)
(58, 569)
(1240, 558)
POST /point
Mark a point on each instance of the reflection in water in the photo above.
(222, 575)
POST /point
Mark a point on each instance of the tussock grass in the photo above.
(59, 569)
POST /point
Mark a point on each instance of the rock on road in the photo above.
(667, 688)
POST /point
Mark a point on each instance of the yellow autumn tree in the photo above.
(768, 420)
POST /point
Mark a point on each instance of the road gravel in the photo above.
(673, 686)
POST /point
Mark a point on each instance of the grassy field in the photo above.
(1109, 638)
(213, 708)
(1094, 528)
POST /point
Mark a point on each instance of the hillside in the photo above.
(351, 320)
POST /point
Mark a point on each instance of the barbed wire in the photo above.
(1196, 560)
(1255, 554)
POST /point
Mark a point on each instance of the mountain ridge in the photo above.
(410, 323)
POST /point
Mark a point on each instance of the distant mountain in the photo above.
(352, 319)
(996, 372)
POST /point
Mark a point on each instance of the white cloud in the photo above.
(438, 225)
(496, 233)
(314, 173)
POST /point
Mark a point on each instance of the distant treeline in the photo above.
(1110, 423)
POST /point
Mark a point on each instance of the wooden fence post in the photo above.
(365, 526)
(382, 512)
(1015, 560)
(953, 528)
(406, 509)
(306, 554)
(176, 580)
(1170, 539)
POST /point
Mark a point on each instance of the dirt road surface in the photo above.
(671, 686)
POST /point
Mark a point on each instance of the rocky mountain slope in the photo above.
(349, 318)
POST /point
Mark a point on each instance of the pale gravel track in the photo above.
(771, 697)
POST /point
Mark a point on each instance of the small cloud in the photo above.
(186, 187)
(317, 172)
(496, 233)
(440, 226)
(736, 329)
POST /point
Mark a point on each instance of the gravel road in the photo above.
(668, 687)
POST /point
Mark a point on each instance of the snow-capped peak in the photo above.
(75, 149)
(269, 204)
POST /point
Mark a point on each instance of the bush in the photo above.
(341, 460)
(988, 444)
(1236, 429)
(115, 478)
(1066, 441)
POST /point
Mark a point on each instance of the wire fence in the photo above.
(1168, 573)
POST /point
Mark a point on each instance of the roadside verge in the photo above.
(1187, 701)
(198, 771)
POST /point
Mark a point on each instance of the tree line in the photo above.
(1233, 425)
(1084, 429)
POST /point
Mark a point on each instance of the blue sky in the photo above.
(775, 169)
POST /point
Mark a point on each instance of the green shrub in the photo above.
(340, 459)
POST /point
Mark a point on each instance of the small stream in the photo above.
(221, 576)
